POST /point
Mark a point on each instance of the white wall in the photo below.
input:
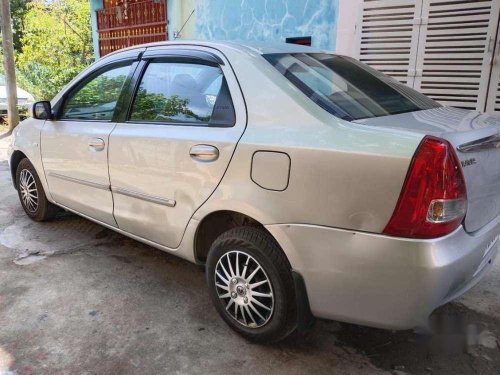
(349, 11)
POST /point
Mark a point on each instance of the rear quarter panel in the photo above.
(342, 175)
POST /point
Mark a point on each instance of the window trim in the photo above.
(59, 106)
(195, 56)
(171, 57)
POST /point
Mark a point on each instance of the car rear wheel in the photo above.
(31, 193)
(251, 284)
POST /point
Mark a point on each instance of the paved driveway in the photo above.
(76, 298)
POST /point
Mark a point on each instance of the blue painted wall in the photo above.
(94, 5)
(267, 20)
(255, 20)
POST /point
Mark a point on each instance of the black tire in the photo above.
(265, 252)
(43, 210)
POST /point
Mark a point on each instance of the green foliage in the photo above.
(100, 90)
(18, 10)
(56, 45)
(158, 107)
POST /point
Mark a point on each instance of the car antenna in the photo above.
(176, 35)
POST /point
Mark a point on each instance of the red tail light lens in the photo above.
(433, 200)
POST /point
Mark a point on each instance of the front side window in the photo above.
(178, 92)
(96, 99)
(347, 88)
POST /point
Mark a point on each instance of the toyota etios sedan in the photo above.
(307, 183)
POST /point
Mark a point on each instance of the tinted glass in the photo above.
(177, 92)
(347, 88)
(96, 99)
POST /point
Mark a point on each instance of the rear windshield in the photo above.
(347, 88)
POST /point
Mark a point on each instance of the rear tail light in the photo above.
(433, 200)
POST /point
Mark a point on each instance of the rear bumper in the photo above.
(383, 281)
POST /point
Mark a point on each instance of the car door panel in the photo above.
(74, 143)
(162, 173)
(164, 184)
(77, 175)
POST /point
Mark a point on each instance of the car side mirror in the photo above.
(42, 110)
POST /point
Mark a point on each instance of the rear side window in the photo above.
(183, 92)
(347, 88)
(95, 99)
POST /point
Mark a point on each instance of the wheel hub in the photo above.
(239, 292)
(241, 289)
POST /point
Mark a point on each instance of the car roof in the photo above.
(244, 46)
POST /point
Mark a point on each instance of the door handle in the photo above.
(204, 153)
(97, 144)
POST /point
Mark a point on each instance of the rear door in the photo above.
(75, 144)
(172, 147)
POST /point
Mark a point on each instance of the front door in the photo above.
(75, 145)
(170, 152)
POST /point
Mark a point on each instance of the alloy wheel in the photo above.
(28, 190)
(244, 289)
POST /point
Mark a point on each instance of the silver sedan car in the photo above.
(307, 183)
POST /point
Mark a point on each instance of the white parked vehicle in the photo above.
(306, 182)
(24, 98)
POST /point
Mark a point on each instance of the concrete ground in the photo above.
(76, 298)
